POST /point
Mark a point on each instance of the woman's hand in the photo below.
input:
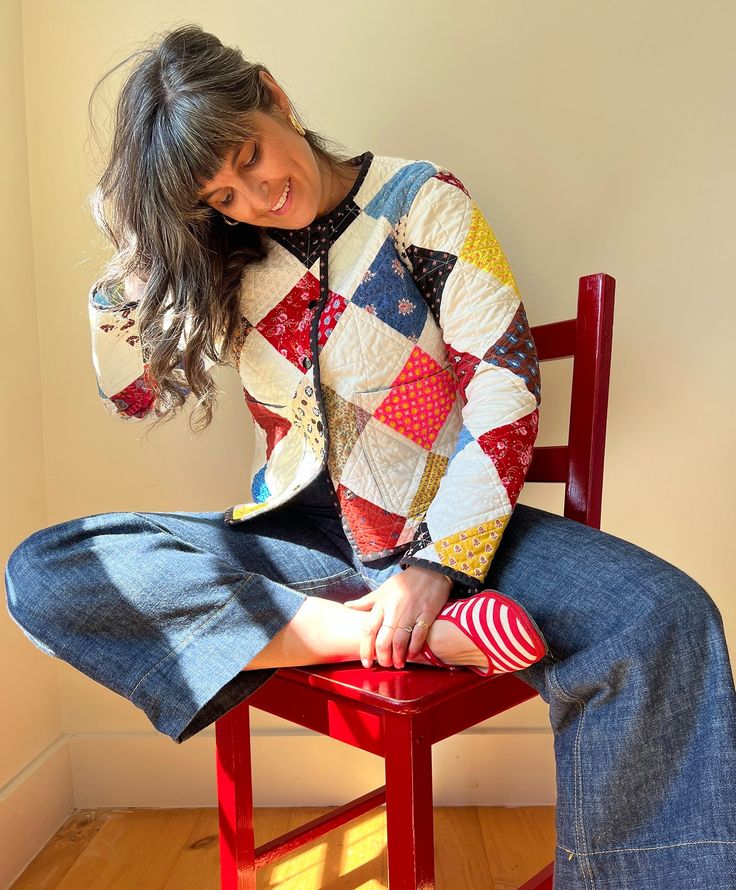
(398, 603)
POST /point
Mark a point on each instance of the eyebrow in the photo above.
(233, 162)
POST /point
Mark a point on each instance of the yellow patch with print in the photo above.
(472, 550)
(483, 250)
(246, 509)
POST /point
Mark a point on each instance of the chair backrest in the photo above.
(588, 339)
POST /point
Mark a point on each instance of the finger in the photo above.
(402, 638)
(368, 637)
(384, 639)
(419, 636)
(364, 603)
(384, 645)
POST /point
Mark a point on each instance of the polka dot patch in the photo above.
(420, 399)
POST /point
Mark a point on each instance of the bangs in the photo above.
(187, 150)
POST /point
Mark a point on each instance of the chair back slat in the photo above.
(588, 339)
(555, 340)
(550, 463)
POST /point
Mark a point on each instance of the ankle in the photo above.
(452, 646)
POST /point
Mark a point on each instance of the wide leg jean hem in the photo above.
(203, 678)
(690, 865)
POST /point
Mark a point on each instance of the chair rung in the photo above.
(541, 881)
(292, 840)
(550, 463)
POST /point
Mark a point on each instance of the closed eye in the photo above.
(254, 157)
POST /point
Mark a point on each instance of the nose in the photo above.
(256, 192)
(260, 197)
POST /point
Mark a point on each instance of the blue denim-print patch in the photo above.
(388, 292)
(395, 196)
(259, 488)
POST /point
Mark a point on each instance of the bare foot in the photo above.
(451, 645)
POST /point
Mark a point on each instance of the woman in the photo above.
(386, 358)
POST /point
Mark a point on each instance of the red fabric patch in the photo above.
(510, 448)
(287, 325)
(136, 399)
(330, 317)
(373, 528)
(446, 176)
(274, 426)
(464, 365)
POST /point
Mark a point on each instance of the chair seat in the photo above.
(412, 688)
(347, 702)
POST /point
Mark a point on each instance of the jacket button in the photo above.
(312, 303)
(306, 363)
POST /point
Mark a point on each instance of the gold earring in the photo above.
(295, 124)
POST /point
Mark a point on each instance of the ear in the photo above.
(279, 96)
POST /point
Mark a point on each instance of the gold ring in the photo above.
(422, 622)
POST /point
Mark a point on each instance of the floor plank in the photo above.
(476, 848)
(132, 851)
(352, 856)
(519, 842)
(459, 850)
(63, 850)
(197, 867)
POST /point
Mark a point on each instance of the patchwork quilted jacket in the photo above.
(386, 341)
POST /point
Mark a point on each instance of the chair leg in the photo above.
(235, 800)
(409, 816)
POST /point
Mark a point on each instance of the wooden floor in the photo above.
(488, 848)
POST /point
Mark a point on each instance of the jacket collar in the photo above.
(310, 241)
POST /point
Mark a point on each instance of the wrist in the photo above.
(430, 576)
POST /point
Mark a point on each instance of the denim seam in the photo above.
(644, 849)
(193, 633)
(586, 873)
(369, 581)
(318, 583)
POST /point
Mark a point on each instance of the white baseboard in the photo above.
(32, 807)
(292, 768)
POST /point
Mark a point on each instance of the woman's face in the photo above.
(254, 178)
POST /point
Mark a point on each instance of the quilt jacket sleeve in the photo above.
(460, 268)
(123, 380)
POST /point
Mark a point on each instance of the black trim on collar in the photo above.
(307, 243)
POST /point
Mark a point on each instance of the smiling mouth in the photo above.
(284, 197)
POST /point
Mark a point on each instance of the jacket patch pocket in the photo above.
(407, 434)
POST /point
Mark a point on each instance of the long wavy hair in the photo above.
(186, 105)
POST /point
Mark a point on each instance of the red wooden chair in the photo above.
(418, 706)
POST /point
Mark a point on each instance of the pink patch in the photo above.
(419, 364)
(421, 397)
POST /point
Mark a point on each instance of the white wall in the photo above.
(35, 775)
(595, 137)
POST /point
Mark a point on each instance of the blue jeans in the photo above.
(166, 608)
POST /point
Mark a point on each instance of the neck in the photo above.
(340, 178)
